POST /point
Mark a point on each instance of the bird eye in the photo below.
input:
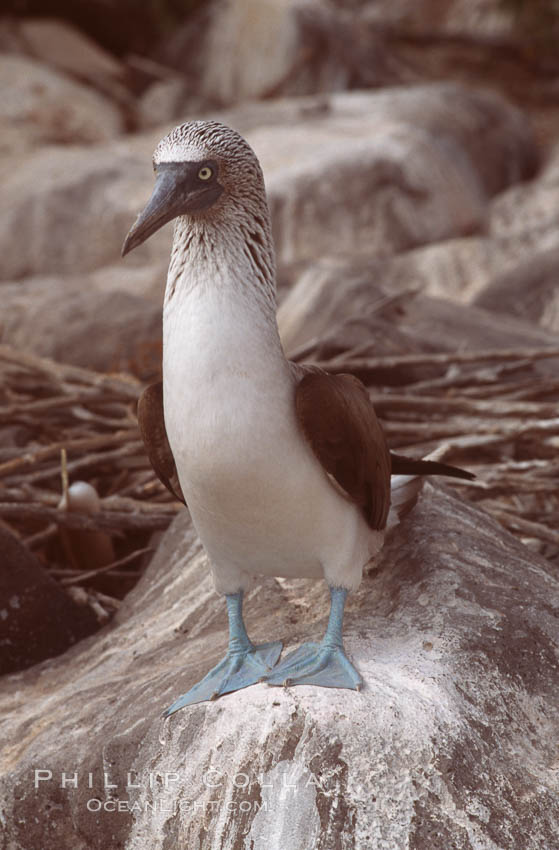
(205, 173)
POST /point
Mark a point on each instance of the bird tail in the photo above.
(408, 466)
(407, 480)
(404, 492)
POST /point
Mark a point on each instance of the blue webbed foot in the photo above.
(324, 663)
(239, 669)
(245, 664)
(317, 664)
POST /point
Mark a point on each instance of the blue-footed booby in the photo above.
(285, 468)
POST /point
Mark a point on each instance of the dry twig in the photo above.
(495, 413)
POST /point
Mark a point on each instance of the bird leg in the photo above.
(323, 663)
(244, 664)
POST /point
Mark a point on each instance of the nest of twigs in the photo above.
(60, 424)
(493, 412)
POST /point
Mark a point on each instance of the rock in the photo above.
(394, 170)
(61, 317)
(521, 233)
(459, 269)
(474, 18)
(68, 211)
(529, 291)
(449, 745)
(379, 304)
(38, 619)
(528, 212)
(143, 280)
(120, 28)
(335, 306)
(467, 327)
(234, 50)
(41, 106)
(252, 43)
(464, 268)
(380, 172)
(551, 171)
(166, 100)
(57, 43)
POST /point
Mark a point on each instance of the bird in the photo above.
(284, 467)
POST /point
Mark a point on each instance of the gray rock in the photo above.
(235, 50)
(38, 619)
(460, 268)
(341, 303)
(41, 106)
(521, 234)
(386, 172)
(451, 744)
(466, 327)
(551, 171)
(143, 280)
(368, 171)
(57, 43)
(166, 100)
(457, 269)
(72, 321)
(530, 291)
(528, 212)
(474, 18)
(68, 210)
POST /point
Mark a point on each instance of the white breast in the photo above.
(259, 499)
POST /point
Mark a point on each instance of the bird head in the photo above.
(201, 168)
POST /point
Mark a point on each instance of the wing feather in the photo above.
(340, 423)
(152, 428)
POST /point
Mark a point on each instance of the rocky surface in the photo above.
(236, 50)
(39, 106)
(58, 313)
(410, 218)
(384, 171)
(393, 171)
(529, 291)
(341, 304)
(68, 208)
(38, 619)
(473, 17)
(450, 744)
(57, 43)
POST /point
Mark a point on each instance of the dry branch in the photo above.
(351, 363)
(102, 521)
(492, 410)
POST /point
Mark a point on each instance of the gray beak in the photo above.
(177, 191)
(163, 206)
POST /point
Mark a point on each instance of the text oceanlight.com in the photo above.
(173, 807)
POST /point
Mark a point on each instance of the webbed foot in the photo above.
(316, 664)
(239, 669)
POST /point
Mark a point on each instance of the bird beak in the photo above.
(162, 207)
(176, 192)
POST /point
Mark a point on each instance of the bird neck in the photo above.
(221, 286)
(234, 257)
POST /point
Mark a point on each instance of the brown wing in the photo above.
(154, 435)
(340, 423)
